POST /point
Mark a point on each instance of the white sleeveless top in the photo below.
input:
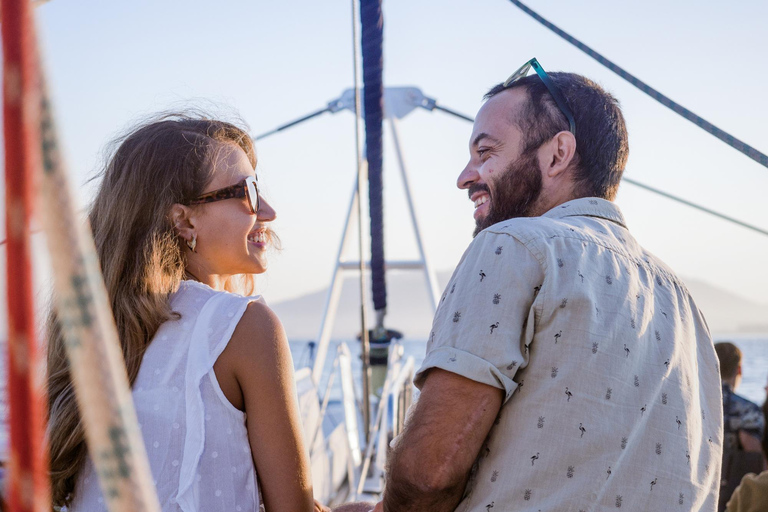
(195, 438)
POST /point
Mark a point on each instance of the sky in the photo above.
(110, 64)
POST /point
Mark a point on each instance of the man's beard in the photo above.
(515, 192)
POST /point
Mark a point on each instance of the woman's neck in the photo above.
(216, 281)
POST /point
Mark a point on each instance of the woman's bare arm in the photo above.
(259, 356)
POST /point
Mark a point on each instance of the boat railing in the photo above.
(390, 417)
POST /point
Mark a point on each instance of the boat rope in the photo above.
(82, 306)
(99, 378)
(362, 165)
(724, 136)
(372, 23)
(28, 489)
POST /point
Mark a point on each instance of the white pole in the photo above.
(429, 273)
(332, 297)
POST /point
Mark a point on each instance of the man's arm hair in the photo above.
(430, 463)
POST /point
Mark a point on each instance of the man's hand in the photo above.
(444, 433)
(321, 508)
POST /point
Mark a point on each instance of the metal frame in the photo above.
(399, 102)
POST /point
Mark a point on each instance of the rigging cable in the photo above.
(361, 170)
(705, 125)
(293, 123)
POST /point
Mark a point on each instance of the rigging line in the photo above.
(293, 123)
(696, 206)
(454, 113)
(362, 167)
(705, 125)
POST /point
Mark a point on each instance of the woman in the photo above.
(179, 224)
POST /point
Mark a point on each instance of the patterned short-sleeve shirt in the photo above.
(611, 382)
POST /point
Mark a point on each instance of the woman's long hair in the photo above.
(167, 161)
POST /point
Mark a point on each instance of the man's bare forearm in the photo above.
(401, 497)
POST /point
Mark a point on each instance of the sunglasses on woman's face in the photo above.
(247, 188)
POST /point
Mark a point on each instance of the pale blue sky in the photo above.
(109, 63)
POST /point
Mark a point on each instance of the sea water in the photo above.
(754, 365)
(754, 369)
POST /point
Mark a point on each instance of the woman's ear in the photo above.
(183, 221)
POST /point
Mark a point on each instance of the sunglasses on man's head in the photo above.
(550, 85)
(247, 188)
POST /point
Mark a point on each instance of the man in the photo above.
(741, 418)
(567, 368)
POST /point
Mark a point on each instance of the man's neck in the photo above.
(731, 384)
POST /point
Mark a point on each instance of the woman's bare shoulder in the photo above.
(258, 342)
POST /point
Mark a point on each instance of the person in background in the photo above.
(741, 417)
(752, 493)
(567, 368)
(765, 416)
(744, 425)
(180, 231)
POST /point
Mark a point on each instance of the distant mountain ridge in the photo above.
(409, 311)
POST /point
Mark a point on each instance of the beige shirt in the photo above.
(611, 382)
(751, 495)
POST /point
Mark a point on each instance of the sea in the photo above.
(753, 386)
(753, 347)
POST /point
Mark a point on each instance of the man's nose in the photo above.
(467, 177)
(266, 213)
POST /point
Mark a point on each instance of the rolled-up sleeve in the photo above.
(486, 316)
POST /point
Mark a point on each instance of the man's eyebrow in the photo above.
(482, 136)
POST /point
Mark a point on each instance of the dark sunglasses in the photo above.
(248, 188)
(551, 87)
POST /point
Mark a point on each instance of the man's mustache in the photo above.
(478, 187)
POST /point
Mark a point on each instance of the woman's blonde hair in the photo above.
(166, 161)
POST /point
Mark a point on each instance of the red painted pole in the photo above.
(28, 488)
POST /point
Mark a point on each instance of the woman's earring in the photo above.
(192, 243)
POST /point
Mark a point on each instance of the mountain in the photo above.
(409, 312)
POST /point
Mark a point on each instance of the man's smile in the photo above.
(481, 201)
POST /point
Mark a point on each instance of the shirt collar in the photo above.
(589, 207)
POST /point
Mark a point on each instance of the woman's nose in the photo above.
(266, 213)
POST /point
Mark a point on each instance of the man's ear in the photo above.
(558, 155)
(183, 221)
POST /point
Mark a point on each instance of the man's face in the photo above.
(502, 182)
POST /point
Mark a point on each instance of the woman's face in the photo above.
(230, 238)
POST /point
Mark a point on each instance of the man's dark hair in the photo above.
(602, 145)
(730, 359)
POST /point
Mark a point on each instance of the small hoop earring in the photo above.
(192, 244)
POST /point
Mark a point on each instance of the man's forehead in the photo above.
(497, 116)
